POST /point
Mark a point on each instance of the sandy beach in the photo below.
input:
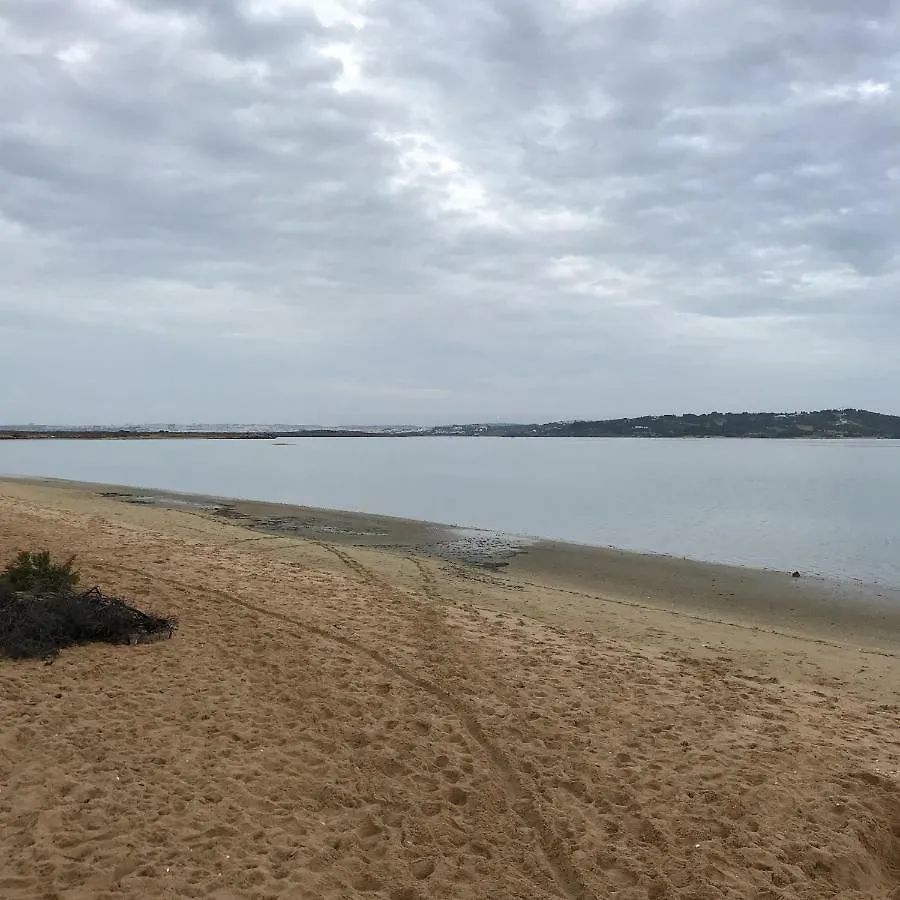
(357, 706)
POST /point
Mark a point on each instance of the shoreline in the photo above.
(494, 546)
(812, 606)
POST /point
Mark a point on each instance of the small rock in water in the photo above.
(795, 574)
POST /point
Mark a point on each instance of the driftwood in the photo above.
(38, 624)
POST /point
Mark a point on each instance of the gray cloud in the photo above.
(424, 211)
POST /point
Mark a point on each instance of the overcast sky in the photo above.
(360, 211)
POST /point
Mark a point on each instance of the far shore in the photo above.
(123, 435)
(126, 435)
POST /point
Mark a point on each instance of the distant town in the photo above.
(826, 424)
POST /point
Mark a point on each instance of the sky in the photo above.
(423, 211)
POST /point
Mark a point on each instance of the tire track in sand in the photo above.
(523, 801)
(525, 804)
(429, 585)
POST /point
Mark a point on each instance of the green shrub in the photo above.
(35, 572)
(41, 612)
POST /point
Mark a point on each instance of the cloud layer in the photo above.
(393, 210)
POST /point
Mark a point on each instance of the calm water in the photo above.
(831, 508)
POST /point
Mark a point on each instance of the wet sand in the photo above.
(364, 706)
(809, 607)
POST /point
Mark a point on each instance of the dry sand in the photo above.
(335, 720)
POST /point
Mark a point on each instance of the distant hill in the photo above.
(826, 423)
